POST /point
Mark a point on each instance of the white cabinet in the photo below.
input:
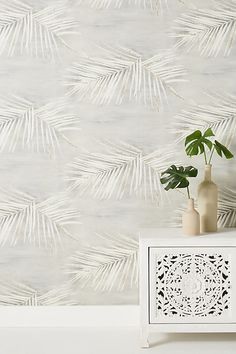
(187, 284)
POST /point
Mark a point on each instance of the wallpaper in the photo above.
(96, 98)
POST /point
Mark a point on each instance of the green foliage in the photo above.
(195, 143)
(222, 150)
(177, 177)
(198, 143)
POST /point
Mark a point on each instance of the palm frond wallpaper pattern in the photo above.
(104, 268)
(37, 32)
(124, 73)
(210, 30)
(96, 98)
(122, 170)
(34, 128)
(219, 114)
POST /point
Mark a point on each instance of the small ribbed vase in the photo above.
(207, 202)
(191, 220)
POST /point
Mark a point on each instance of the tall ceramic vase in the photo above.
(191, 220)
(207, 202)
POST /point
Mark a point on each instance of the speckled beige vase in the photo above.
(207, 202)
(191, 220)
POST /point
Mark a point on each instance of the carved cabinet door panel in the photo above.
(192, 285)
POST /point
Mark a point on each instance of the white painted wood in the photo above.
(174, 237)
(208, 258)
(156, 253)
(144, 343)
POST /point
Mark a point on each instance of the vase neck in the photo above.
(207, 175)
(190, 204)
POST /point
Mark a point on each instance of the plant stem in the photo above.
(212, 150)
(188, 192)
(205, 156)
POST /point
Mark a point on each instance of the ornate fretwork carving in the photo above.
(192, 285)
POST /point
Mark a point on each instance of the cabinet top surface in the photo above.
(175, 235)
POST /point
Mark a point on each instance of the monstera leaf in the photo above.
(177, 177)
(195, 143)
(222, 150)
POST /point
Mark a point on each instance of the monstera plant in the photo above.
(177, 177)
(201, 143)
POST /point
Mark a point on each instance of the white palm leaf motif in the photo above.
(37, 33)
(123, 73)
(34, 128)
(220, 115)
(43, 224)
(121, 170)
(226, 210)
(211, 31)
(60, 296)
(13, 293)
(106, 267)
